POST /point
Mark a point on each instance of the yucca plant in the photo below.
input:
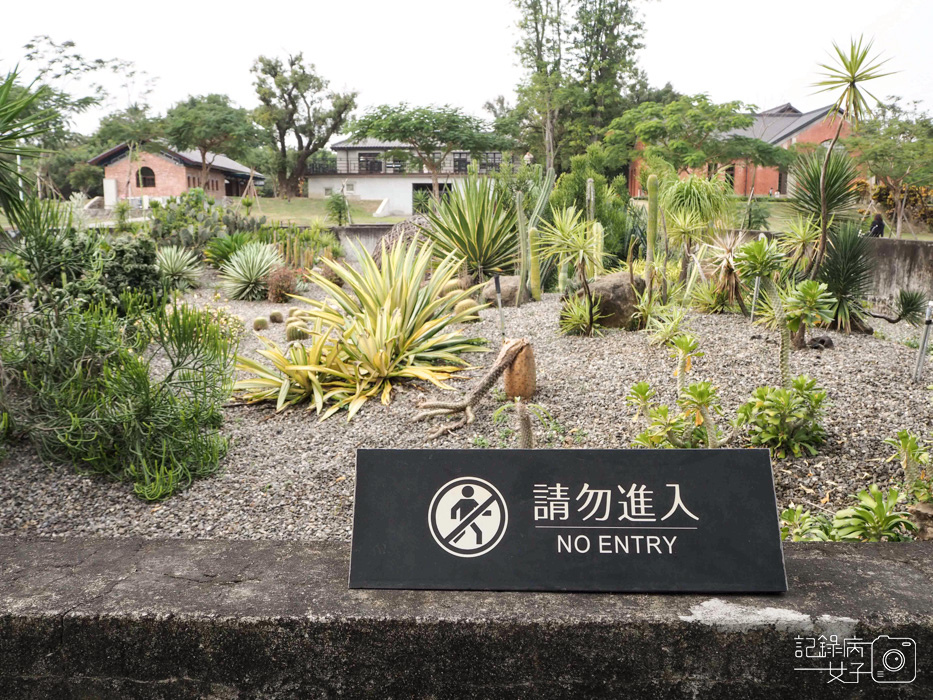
(847, 271)
(389, 326)
(180, 267)
(910, 305)
(245, 273)
(874, 518)
(475, 223)
(841, 194)
(722, 250)
(580, 316)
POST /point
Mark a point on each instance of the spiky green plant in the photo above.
(179, 267)
(847, 271)
(580, 315)
(220, 249)
(295, 331)
(910, 305)
(664, 326)
(469, 307)
(762, 258)
(523, 414)
(260, 323)
(534, 265)
(652, 229)
(841, 193)
(725, 277)
(799, 242)
(474, 223)
(276, 317)
(244, 274)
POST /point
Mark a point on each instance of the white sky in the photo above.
(461, 53)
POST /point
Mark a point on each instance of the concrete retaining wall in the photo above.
(902, 265)
(193, 619)
(368, 235)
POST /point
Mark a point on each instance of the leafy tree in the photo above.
(896, 146)
(297, 108)
(691, 132)
(605, 34)
(432, 133)
(210, 125)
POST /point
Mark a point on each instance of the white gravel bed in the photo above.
(289, 476)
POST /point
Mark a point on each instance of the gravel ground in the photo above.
(288, 476)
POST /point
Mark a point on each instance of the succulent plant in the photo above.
(276, 317)
(452, 287)
(179, 267)
(292, 310)
(244, 275)
(296, 331)
(464, 306)
(260, 324)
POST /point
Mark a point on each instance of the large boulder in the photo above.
(509, 285)
(922, 516)
(617, 299)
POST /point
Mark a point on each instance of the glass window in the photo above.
(370, 162)
(145, 177)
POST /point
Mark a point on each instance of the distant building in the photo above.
(366, 169)
(782, 126)
(168, 173)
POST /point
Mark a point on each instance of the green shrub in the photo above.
(244, 275)
(710, 299)
(180, 268)
(132, 264)
(799, 525)
(85, 394)
(786, 420)
(14, 278)
(190, 220)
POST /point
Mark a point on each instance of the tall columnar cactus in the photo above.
(526, 439)
(652, 232)
(523, 248)
(534, 265)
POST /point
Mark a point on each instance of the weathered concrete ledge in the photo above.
(124, 618)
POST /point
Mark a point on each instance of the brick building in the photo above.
(783, 126)
(168, 173)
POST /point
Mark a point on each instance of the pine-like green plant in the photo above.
(847, 271)
(179, 267)
(244, 275)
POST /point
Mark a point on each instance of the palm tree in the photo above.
(848, 75)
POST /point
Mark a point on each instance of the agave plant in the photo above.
(180, 267)
(475, 224)
(800, 241)
(244, 274)
(392, 322)
(220, 249)
(580, 316)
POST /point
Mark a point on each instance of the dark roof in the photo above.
(189, 158)
(368, 143)
(778, 124)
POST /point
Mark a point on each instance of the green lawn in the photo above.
(302, 210)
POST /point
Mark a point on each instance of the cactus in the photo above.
(276, 317)
(292, 310)
(534, 265)
(466, 305)
(652, 232)
(260, 324)
(526, 437)
(295, 331)
(599, 235)
(523, 253)
(451, 287)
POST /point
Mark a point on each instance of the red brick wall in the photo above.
(171, 179)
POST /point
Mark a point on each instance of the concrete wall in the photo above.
(368, 235)
(132, 618)
(396, 188)
(902, 265)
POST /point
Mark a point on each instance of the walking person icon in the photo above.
(463, 508)
(467, 517)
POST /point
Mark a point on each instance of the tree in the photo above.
(896, 146)
(848, 76)
(605, 34)
(297, 109)
(210, 125)
(541, 47)
(432, 133)
(690, 133)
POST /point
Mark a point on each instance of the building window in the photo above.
(461, 161)
(350, 187)
(328, 191)
(370, 162)
(730, 176)
(491, 160)
(145, 177)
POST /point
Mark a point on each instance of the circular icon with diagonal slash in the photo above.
(468, 517)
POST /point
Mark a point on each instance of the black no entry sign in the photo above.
(566, 520)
